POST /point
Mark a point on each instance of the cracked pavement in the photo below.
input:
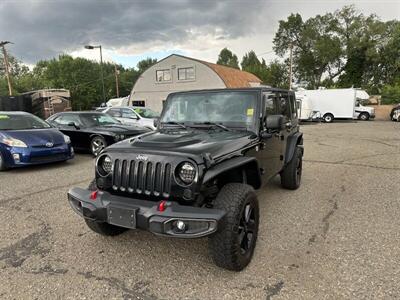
(337, 237)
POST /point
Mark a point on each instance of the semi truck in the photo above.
(331, 104)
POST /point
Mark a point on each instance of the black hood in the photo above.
(193, 142)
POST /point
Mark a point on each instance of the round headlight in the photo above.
(104, 165)
(187, 172)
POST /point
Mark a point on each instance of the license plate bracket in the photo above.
(123, 217)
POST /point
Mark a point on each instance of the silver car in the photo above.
(133, 115)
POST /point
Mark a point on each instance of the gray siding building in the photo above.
(179, 73)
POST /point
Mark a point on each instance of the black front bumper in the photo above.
(134, 213)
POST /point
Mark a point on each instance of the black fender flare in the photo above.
(251, 167)
(292, 142)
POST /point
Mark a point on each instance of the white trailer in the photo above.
(330, 104)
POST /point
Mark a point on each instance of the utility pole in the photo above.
(116, 80)
(291, 65)
(2, 44)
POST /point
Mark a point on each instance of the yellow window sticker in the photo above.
(2, 117)
(250, 112)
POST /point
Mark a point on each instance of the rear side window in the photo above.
(67, 119)
(293, 106)
(271, 104)
(114, 112)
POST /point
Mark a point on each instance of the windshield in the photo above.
(231, 108)
(146, 113)
(98, 119)
(20, 122)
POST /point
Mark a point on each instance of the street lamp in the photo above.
(90, 47)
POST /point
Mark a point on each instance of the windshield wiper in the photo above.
(174, 123)
(214, 124)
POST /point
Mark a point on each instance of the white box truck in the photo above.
(330, 104)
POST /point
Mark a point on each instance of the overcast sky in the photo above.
(133, 30)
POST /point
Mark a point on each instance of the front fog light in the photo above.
(187, 172)
(16, 157)
(180, 226)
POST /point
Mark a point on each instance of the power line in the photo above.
(260, 54)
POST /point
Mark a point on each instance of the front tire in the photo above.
(102, 228)
(328, 118)
(232, 246)
(291, 174)
(97, 144)
(364, 116)
(3, 166)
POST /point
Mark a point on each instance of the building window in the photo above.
(186, 73)
(138, 103)
(163, 75)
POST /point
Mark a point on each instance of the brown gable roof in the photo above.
(233, 78)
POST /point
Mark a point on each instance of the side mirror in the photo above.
(73, 125)
(156, 122)
(274, 122)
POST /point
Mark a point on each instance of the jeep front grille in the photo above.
(142, 177)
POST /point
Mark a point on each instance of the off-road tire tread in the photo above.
(288, 175)
(99, 227)
(221, 244)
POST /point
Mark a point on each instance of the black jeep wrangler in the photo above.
(196, 174)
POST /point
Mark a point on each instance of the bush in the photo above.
(391, 93)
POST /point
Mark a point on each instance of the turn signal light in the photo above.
(93, 195)
(162, 205)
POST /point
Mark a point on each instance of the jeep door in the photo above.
(271, 149)
(287, 108)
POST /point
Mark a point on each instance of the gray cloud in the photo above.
(43, 29)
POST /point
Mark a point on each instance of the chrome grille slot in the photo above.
(124, 176)
(147, 175)
(142, 177)
(139, 188)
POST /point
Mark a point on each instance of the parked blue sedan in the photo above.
(27, 140)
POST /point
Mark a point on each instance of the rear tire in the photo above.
(364, 116)
(232, 246)
(102, 227)
(2, 163)
(328, 118)
(291, 174)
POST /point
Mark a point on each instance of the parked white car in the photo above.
(133, 115)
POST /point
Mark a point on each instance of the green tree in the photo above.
(342, 49)
(144, 64)
(276, 74)
(227, 58)
(316, 49)
(391, 93)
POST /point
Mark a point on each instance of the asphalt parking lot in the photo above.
(337, 237)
